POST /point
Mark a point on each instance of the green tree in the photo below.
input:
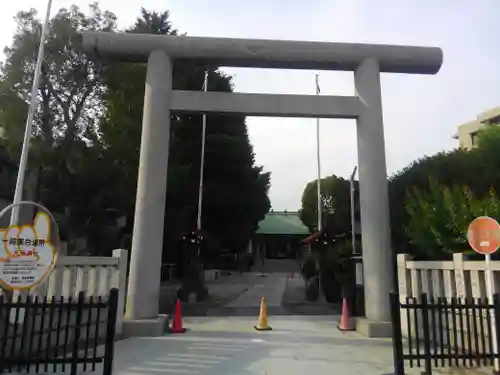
(70, 88)
(453, 176)
(447, 168)
(65, 145)
(478, 169)
(488, 139)
(438, 219)
(235, 190)
(488, 172)
(336, 203)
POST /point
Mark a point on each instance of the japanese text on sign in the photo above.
(28, 253)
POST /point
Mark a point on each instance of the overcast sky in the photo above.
(421, 113)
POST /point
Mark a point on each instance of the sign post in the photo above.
(28, 252)
(483, 237)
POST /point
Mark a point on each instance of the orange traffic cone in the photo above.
(262, 324)
(345, 319)
(177, 322)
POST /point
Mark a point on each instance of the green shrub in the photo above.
(311, 276)
(439, 219)
(335, 268)
(309, 268)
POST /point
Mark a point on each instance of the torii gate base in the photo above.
(367, 62)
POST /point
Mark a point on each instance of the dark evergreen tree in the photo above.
(235, 190)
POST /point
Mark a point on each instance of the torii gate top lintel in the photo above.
(263, 53)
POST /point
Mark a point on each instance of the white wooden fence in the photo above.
(454, 278)
(459, 278)
(93, 275)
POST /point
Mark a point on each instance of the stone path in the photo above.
(283, 294)
(271, 286)
(294, 300)
(277, 266)
(221, 291)
(240, 294)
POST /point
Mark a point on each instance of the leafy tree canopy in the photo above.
(70, 88)
(235, 190)
(432, 200)
(438, 219)
(335, 200)
(65, 149)
(477, 171)
(488, 138)
(86, 135)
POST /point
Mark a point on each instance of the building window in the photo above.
(473, 138)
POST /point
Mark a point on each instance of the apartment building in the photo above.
(467, 133)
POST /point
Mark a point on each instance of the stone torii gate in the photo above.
(367, 61)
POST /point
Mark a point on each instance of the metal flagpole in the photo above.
(202, 163)
(18, 194)
(318, 183)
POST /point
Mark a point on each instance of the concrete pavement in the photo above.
(240, 295)
(294, 300)
(213, 353)
(271, 286)
(297, 345)
(276, 266)
(247, 302)
(230, 346)
(221, 292)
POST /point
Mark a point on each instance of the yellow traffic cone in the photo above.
(262, 324)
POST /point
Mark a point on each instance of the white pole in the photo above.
(202, 163)
(318, 182)
(353, 220)
(18, 194)
(489, 287)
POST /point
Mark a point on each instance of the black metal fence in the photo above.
(444, 333)
(57, 334)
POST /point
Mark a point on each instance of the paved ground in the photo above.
(221, 292)
(276, 265)
(271, 286)
(284, 296)
(230, 346)
(240, 294)
(297, 345)
(252, 287)
(228, 288)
